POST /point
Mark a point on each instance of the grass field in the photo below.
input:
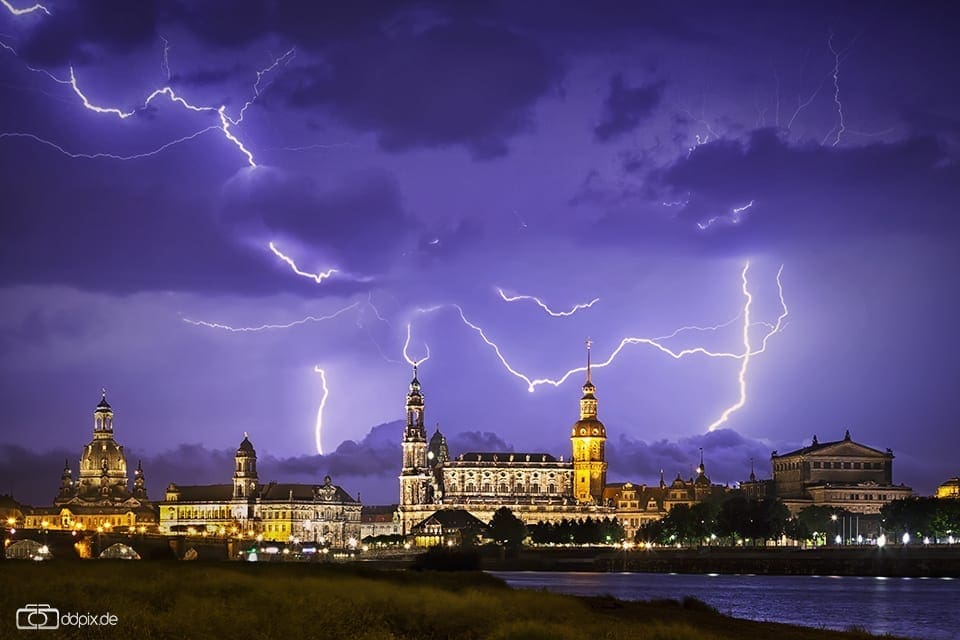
(240, 601)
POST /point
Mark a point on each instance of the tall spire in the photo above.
(589, 344)
(700, 469)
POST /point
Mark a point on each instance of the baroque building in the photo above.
(842, 474)
(536, 486)
(638, 504)
(100, 496)
(324, 513)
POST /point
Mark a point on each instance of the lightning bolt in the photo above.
(22, 12)
(747, 349)
(657, 343)
(269, 327)
(733, 218)
(165, 60)
(316, 277)
(104, 155)
(227, 123)
(406, 344)
(542, 305)
(376, 311)
(838, 56)
(323, 403)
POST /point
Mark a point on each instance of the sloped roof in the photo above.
(830, 448)
(451, 520)
(204, 492)
(377, 513)
(282, 491)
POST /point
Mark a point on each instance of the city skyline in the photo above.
(240, 223)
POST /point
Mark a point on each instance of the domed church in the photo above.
(100, 496)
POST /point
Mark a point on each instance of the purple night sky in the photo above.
(639, 153)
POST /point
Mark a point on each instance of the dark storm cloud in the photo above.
(312, 25)
(476, 441)
(73, 31)
(360, 221)
(371, 462)
(726, 456)
(452, 84)
(625, 108)
(32, 477)
(815, 191)
(801, 193)
(149, 237)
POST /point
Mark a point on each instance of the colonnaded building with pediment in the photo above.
(842, 474)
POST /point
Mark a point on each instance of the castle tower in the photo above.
(588, 438)
(416, 488)
(245, 472)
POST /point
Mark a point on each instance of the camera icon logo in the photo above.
(38, 617)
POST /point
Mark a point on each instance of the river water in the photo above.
(923, 608)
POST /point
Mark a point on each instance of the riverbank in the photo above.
(900, 561)
(265, 601)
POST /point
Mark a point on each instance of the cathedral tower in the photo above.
(245, 473)
(414, 434)
(588, 438)
(415, 486)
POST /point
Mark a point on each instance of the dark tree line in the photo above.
(589, 531)
(935, 518)
(734, 518)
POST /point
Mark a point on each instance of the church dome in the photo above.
(103, 453)
(588, 427)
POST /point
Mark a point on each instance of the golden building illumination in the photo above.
(588, 439)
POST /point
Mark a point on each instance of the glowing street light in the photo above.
(882, 540)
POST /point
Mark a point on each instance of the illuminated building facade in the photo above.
(324, 514)
(536, 486)
(843, 474)
(949, 489)
(100, 496)
(638, 504)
